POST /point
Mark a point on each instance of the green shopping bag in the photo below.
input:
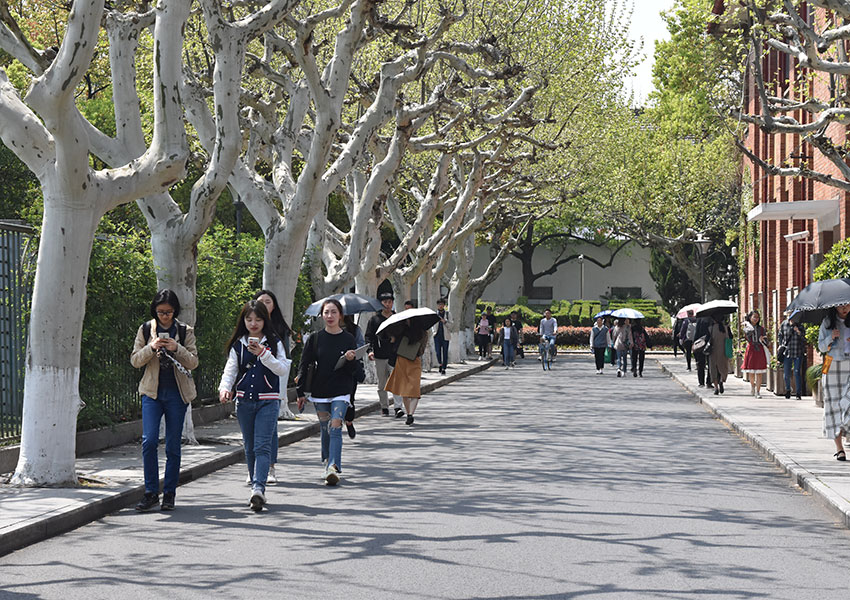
(729, 348)
(609, 354)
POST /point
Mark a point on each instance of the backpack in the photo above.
(692, 331)
(181, 331)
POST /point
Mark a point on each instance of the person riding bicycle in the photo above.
(547, 328)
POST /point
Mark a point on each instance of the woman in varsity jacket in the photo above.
(257, 365)
(165, 347)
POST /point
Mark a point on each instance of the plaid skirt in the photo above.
(835, 391)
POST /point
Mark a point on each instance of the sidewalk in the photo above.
(112, 479)
(788, 432)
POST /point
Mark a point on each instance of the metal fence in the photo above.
(15, 291)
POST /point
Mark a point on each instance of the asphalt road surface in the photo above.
(511, 484)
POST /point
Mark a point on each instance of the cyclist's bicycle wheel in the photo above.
(545, 358)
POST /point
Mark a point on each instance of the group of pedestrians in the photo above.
(505, 336)
(256, 374)
(618, 342)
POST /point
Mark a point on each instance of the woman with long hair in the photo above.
(284, 333)
(354, 329)
(406, 377)
(165, 347)
(329, 388)
(718, 362)
(834, 341)
(257, 365)
(621, 337)
(640, 343)
(755, 359)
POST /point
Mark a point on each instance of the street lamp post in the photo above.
(581, 279)
(702, 244)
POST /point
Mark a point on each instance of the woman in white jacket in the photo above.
(257, 365)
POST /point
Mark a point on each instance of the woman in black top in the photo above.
(329, 388)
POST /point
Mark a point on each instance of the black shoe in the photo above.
(799, 397)
(148, 501)
(716, 391)
(167, 502)
(721, 386)
(787, 394)
(351, 431)
(409, 420)
(640, 374)
(634, 373)
(385, 412)
(399, 413)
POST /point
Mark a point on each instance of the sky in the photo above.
(647, 23)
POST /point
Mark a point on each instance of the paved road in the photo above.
(512, 484)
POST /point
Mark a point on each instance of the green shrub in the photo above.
(522, 301)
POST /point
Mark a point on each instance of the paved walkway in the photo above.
(788, 432)
(113, 479)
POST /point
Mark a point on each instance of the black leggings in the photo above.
(637, 360)
(483, 344)
(599, 355)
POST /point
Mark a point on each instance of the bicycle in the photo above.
(547, 351)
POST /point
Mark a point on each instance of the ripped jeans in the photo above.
(329, 410)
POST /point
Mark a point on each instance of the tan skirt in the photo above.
(404, 380)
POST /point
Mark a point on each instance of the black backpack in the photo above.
(181, 331)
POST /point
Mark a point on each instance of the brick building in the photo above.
(795, 220)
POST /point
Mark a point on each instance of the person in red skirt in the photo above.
(755, 358)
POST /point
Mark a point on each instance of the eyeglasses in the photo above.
(164, 313)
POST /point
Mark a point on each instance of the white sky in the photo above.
(647, 23)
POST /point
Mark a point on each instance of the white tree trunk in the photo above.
(51, 390)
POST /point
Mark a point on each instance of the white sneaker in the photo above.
(506, 368)
(257, 500)
(271, 478)
(758, 394)
(331, 475)
(248, 480)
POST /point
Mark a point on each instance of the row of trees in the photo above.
(435, 124)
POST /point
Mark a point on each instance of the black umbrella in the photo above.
(812, 302)
(423, 317)
(351, 304)
(717, 307)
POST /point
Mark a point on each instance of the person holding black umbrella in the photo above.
(834, 342)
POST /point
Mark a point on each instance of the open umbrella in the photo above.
(351, 304)
(602, 313)
(813, 300)
(424, 317)
(717, 307)
(683, 312)
(626, 313)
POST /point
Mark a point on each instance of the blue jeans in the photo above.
(331, 436)
(258, 421)
(169, 403)
(550, 342)
(508, 352)
(623, 360)
(796, 363)
(441, 345)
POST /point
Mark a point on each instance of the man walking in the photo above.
(793, 339)
(515, 319)
(441, 338)
(382, 351)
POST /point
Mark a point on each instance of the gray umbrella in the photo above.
(351, 304)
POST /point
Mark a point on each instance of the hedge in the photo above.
(580, 336)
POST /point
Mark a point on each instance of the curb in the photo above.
(64, 521)
(802, 477)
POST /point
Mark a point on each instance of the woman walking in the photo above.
(165, 347)
(257, 365)
(834, 341)
(507, 341)
(351, 327)
(640, 343)
(328, 388)
(284, 333)
(405, 378)
(622, 340)
(718, 362)
(600, 339)
(755, 359)
(482, 333)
